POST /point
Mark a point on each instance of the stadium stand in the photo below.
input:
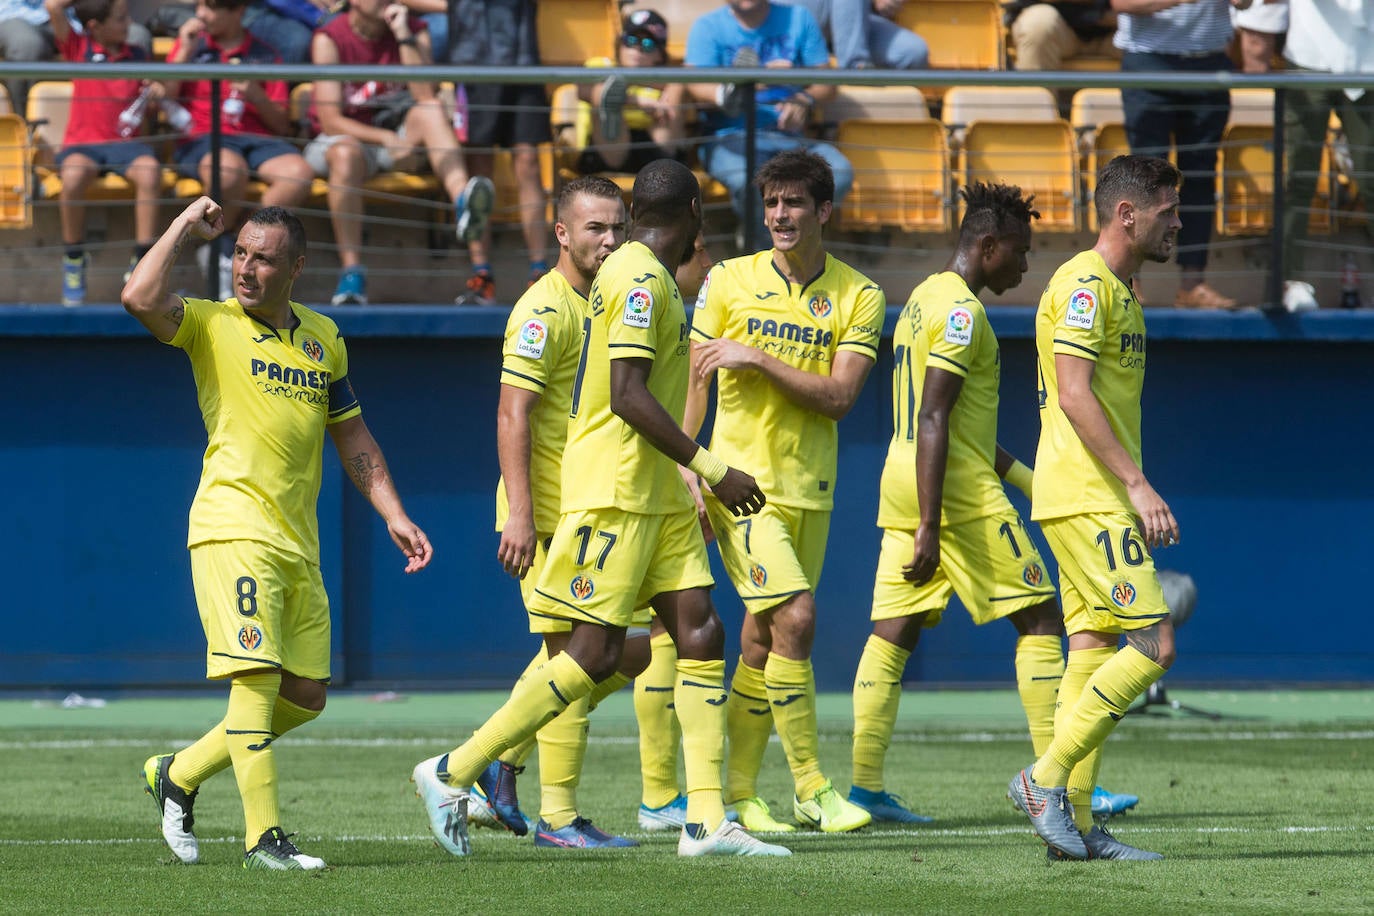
(961, 34)
(16, 194)
(573, 31)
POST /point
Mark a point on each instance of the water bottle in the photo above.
(460, 113)
(176, 115)
(131, 118)
(232, 109)
(1350, 283)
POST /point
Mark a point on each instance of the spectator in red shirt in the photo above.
(94, 143)
(253, 121)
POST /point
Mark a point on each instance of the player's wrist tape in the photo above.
(1019, 476)
(707, 466)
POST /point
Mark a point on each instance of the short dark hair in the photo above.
(664, 192)
(92, 10)
(280, 216)
(226, 4)
(592, 186)
(1138, 179)
(798, 166)
(994, 209)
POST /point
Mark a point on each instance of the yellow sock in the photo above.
(1039, 670)
(1106, 696)
(605, 688)
(248, 735)
(749, 719)
(659, 734)
(700, 701)
(562, 747)
(517, 755)
(791, 686)
(534, 701)
(877, 693)
(193, 765)
(287, 715)
(1083, 663)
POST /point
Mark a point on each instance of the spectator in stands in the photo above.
(105, 115)
(1259, 29)
(366, 127)
(654, 115)
(1324, 36)
(1181, 36)
(27, 35)
(435, 15)
(1045, 35)
(503, 33)
(862, 34)
(283, 25)
(254, 119)
(754, 33)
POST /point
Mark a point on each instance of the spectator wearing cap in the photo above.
(862, 34)
(624, 125)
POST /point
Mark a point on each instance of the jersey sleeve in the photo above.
(708, 318)
(343, 402)
(1079, 317)
(633, 305)
(951, 328)
(194, 318)
(531, 343)
(865, 330)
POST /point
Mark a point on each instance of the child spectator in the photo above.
(105, 114)
(366, 127)
(653, 114)
(254, 119)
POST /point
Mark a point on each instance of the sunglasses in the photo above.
(642, 42)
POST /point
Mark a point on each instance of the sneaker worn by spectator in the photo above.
(608, 107)
(1202, 296)
(352, 288)
(481, 290)
(1299, 296)
(74, 280)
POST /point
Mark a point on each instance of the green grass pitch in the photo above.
(1266, 811)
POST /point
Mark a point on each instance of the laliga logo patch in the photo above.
(312, 349)
(701, 293)
(758, 575)
(959, 327)
(250, 637)
(820, 305)
(582, 588)
(1082, 310)
(1123, 594)
(1033, 574)
(639, 308)
(530, 342)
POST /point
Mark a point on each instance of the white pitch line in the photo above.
(792, 838)
(901, 737)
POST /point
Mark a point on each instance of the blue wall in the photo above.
(1256, 432)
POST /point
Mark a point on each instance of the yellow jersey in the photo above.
(790, 450)
(945, 326)
(266, 396)
(636, 313)
(544, 339)
(1088, 312)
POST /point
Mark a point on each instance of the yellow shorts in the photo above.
(772, 555)
(261, 608)
(991, 563)
(1107, 577)
(540, 623)
(605, 563)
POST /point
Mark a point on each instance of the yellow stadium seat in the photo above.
(891, 103)
(572, 31)
(901, 175)
(1100, 123)
(1040, 157)
(961, 34)
(6, 106)
(16, 189)
(507, 209)
(1245, 170)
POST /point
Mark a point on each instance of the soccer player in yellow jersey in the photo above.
(628, 533)
(791, 333)
(271, 376)
(543, 345)
(1100, 515)
(948, 526)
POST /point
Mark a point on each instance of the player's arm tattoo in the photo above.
(176, 313)
(363, 470)
(1146, 642)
